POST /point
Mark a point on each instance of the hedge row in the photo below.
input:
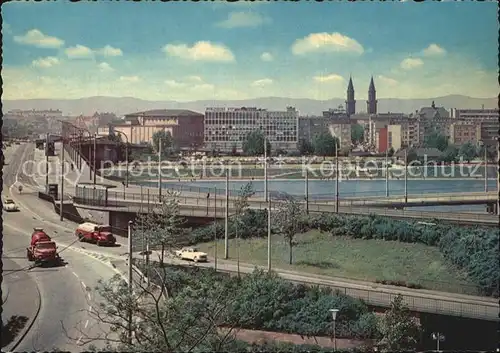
(472, 249)
(267, 302)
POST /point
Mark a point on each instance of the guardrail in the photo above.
(208, 209)
(415, 303)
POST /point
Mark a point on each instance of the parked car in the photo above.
(191, 254)
(9, 205)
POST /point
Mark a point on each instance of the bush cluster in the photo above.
(262, 301)
(472, 249)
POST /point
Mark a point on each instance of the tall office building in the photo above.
(227, 128)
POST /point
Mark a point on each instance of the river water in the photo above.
(325, 189)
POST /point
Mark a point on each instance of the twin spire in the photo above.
(371, 103)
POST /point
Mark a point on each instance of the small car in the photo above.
(9, 205)
(191, 254)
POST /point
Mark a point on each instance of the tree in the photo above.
(167, 142)
(163, 226)
(305, 147)
(254, 144)
(467, 151)
(398, 328)
(450, 154)
(288, 220)
(164, 320)
(324, 144)
(436, 140)
(357, 134)
(390, 153)
(241, 205)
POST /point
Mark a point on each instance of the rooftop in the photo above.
(165, 113)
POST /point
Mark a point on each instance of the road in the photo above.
(65, 298)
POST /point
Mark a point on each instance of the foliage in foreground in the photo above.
(472, 249)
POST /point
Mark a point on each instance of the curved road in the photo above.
(65, 300)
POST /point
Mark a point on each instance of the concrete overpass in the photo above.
(109, 201)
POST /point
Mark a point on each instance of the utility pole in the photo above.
(62, 182)
(307, 192)
(95, 153)
(126, 163)
(215, 228)
(406, 176)
(265, 168)
(387, 171)
(47, 163)
(159, 169)
(226, 219)
(129, 243)
(486, 168)
(269, 236)
(336, 177)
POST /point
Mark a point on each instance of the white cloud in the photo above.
(130, 78)
(262, 82)
(411, 63)
(38, 39)
(387, 80)
(108, 50)
(79, 51)
(195, 78)
(46, 62)
(434, 50)
(328, 78)
(200, 51)
(204, 87)
(243, 19)
(105, 67)
(174, 84)
(326, 42)
(266, 57)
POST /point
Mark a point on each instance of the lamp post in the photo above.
(265, 168)
(215, 228)
(126, 156)
(129, 243)
(47, 162)
(269, 236)
(159, 169)
(387, 171)
(62, 182)
(336, 177)
(481, 143)
(307, 192)
(226, 219)
(438, 337)
(94, 157)
(334, 317)
(406, 176)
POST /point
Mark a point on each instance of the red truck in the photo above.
(42, 249)
(95, 233)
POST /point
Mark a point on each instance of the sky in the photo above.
(241, 50)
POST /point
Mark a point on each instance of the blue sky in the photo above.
(191, 51)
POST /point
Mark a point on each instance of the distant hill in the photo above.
(124, 105)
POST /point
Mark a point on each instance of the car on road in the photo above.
(95, 233)
(9, 205)
(192, 254)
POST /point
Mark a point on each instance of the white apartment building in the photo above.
(227, 128)
(474, 114)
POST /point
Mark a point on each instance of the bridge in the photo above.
(101, 199)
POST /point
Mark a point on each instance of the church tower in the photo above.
(371, 104)
(350, 103)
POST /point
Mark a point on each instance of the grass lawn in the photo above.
(370, 260)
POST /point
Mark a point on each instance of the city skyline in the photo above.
(248, 50)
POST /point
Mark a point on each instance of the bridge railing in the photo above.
(212, 208)
(149, 195)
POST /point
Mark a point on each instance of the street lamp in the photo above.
(387, 171)
(129, 243)
(483, 144)
(126, 156)
(334, 317)
(438, 337)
